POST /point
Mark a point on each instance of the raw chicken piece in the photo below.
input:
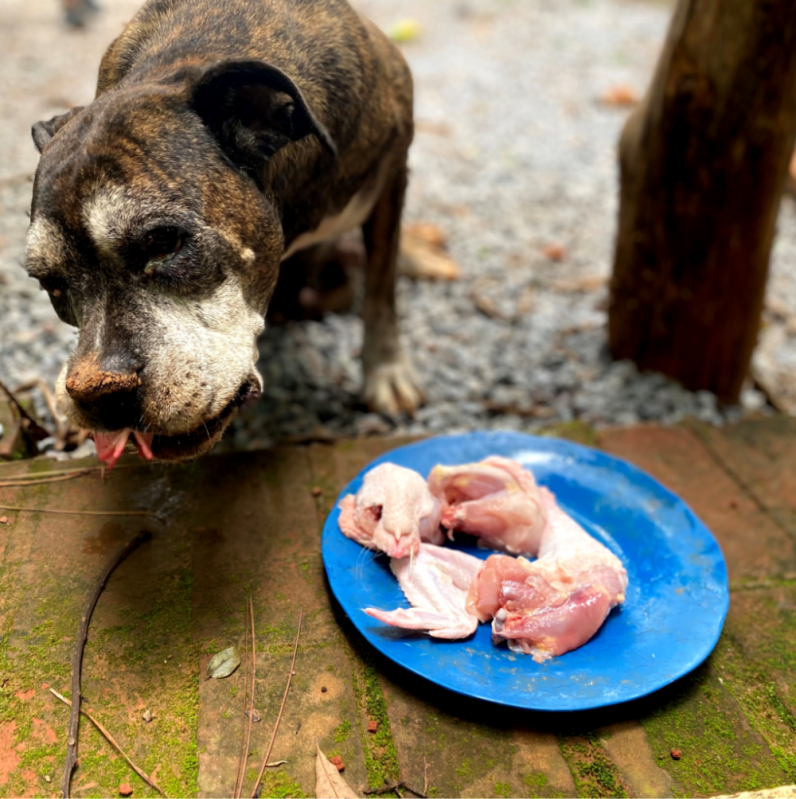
(435, 582)
(111, 445)
(496, 500)
(556, 603)
(393, 512)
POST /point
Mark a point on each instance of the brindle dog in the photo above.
(225, 135)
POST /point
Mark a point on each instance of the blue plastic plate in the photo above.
(676, 601)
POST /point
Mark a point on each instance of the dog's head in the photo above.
(154, 232)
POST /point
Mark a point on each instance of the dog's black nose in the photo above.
(106, 396)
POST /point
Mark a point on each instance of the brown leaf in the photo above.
(619, 96)
(328, 782)
(423, 255)
(555, 252)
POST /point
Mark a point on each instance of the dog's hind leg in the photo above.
(390, 382)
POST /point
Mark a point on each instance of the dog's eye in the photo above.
(57, 288)
(161, 244)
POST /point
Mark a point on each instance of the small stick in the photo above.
(279, 717)
(235, 792)
(40, 431)
(82, 512)
(425, 775)
(77, 657)
(41, 480)
(54, 473)
(251, 701)
(112, 742)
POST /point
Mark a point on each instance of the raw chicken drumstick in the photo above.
(496, 500)
(393, 512)
(556, 603)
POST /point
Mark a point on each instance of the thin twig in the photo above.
(251, 700)
(145, 777)
(82, 512)
(77, 657)
(52, 472)
(279, 717)
(425, 775)
(37, 481)
(236, 791)
(40, 432)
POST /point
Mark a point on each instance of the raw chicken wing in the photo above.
(496, 500)
(393, 512)
(436, 583)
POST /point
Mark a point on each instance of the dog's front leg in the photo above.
(390, 381)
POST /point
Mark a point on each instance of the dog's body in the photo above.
(225, 135)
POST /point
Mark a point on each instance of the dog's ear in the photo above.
(254, 109)
(42, 132)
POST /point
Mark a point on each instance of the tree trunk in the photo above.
(703, 163)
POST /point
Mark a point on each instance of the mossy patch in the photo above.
(594, 773)
(279, 784)
(719, 752)
(341, 731)
(381, 760)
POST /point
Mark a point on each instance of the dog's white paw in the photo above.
(393, 387)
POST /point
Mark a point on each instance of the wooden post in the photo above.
(703, 162)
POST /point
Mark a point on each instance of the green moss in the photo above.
(279, 785)
(341, 732)
(594, 773)
(381, 759)
(757, 694)
(720, 754)
(502, 789)
(465, 769)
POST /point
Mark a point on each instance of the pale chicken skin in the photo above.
(435, 582)
(495, 499)
(392, 512)
(558, 602)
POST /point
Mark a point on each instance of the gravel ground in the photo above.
(513, 153)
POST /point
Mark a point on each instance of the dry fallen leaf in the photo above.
(328, 782)
(619, 96)
(224, 663)
(555, 252)
(423, 255)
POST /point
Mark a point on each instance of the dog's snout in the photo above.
(108, 396)
(87, 381)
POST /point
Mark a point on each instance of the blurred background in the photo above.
(510, 225)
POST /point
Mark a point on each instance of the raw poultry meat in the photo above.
(393, 512)
(496, 500)
(556, 603)
(111, 445)
(436, 583)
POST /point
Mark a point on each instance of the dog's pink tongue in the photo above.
(144, 443)
(111, 445)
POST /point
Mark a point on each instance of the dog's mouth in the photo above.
(179, 447)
